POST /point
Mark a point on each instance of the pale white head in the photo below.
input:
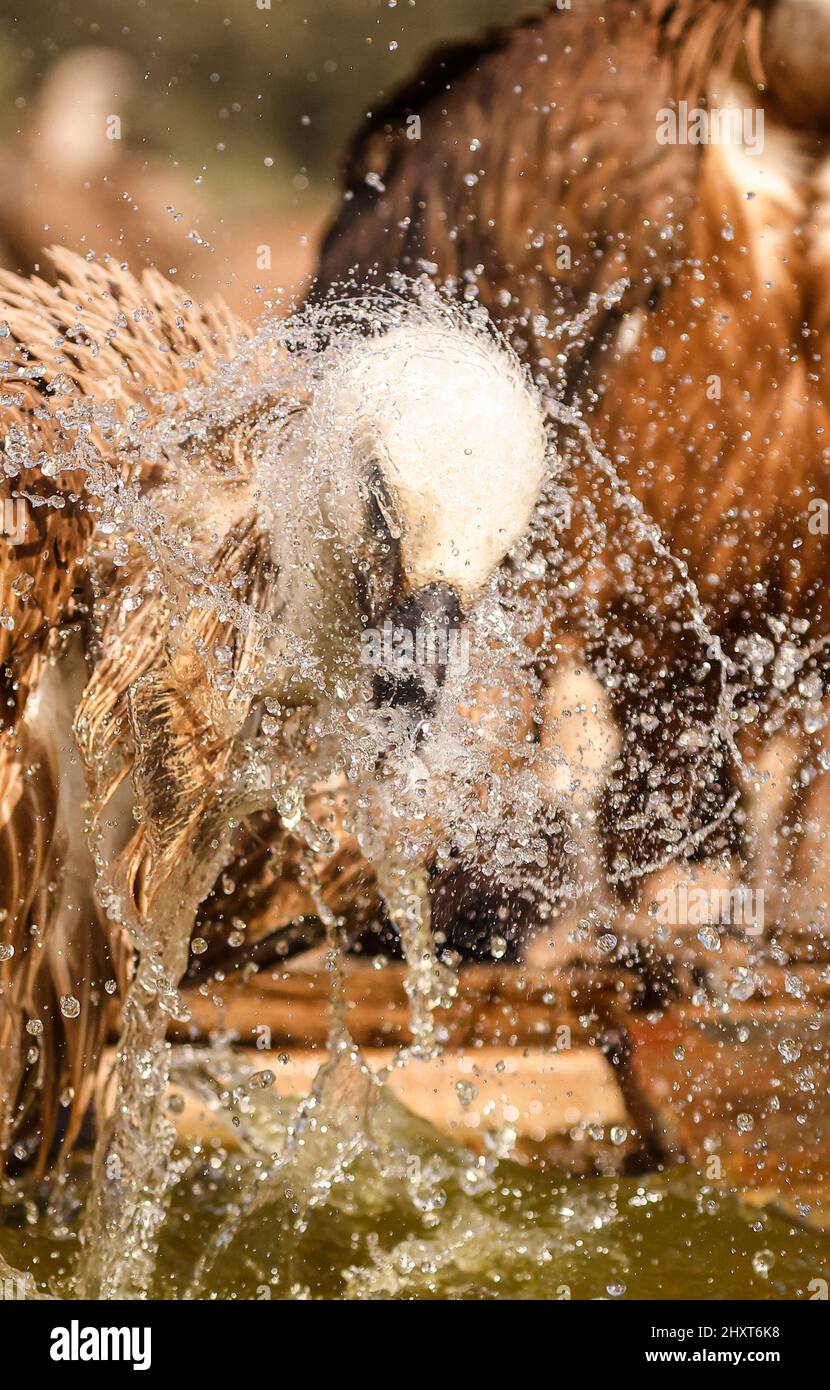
(444, 423)
(415, 469)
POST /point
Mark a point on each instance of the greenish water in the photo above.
(398, 1212)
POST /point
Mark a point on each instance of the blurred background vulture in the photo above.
(674, 296)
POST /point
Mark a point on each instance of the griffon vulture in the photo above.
(666, 284)
(638, 192)
(205, 532)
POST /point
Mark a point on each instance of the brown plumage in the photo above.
(102, 693)
(99, 337)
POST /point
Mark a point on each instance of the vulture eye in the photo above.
(383, 514)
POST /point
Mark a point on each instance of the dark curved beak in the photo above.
(414, 646)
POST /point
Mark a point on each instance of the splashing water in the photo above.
(409, 1215)
(255, 653)
(133, 1171)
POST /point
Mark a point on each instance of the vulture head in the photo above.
(432, 443)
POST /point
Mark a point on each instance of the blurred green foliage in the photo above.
(227, 85)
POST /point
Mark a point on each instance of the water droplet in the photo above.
(710, 938)
(789, 1049)
(466, 1092)
(70, 1008)
(263, 1079)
